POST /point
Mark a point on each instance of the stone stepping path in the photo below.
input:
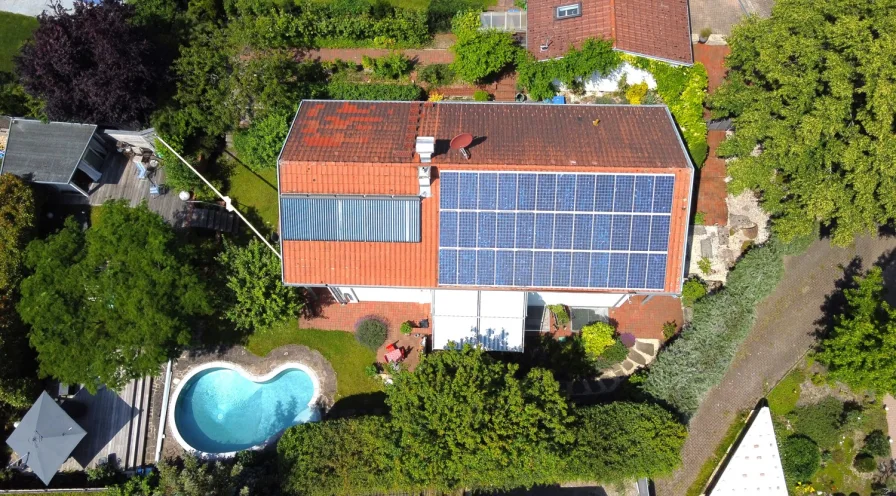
(639, 356)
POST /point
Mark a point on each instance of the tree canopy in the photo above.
(465, 420)
(258, 297)
(810, 90)
(111, 303)
(92, 64)
(860, 348)
(480, 54)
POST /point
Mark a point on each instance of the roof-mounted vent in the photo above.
(461, 142)
(424, 178)
(426, 146)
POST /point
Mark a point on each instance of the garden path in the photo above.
(890, 404)
(784, 330)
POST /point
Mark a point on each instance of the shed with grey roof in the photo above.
(65, 156)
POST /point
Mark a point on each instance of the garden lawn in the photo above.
(345, 354)
(16, 29)
(782, 399)
(255, 194)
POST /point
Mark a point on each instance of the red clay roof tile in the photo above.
(517, 137)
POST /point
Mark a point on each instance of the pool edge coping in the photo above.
(254, 378)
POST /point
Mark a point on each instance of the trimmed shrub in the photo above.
(699, 358)
(692, 290)
(670, 328)
(636, 92)
(343, 90)
(615, 353)
(877, 444)
(597, 337)
(481, 96)
(800, 458)
(820, 421)
(371, 332)
(437, 74)
(864, 463)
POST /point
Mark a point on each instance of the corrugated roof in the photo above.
(628, 139)
(45, 152)
(653, 28)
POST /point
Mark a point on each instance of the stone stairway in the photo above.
(640, 355)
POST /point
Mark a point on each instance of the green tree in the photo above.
(258, 297)
(112, 303)
(17, 214)
(189, 476)
(342, 456)
(800, 458)
(859, 350)
(466, 420)
(480, 54)
(820, 421)
(260, 145)
(623, 441)
(810, 89)
(877, 444)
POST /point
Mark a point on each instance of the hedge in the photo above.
(343, 90)
(538, 77)
(697, 361)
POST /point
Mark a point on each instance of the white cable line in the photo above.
(227, 201)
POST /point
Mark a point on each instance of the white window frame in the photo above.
(562, 12)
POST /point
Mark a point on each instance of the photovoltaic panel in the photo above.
(549, 230)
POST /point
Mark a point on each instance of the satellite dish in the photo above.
(461, 142)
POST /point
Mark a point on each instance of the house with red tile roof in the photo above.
(485, 211)
(657, 29)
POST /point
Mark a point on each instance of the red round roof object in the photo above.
(461, 141)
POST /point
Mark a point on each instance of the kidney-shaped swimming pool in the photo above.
(221, 410)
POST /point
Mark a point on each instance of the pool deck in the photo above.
(252, 364)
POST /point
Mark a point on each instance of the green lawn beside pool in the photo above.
(16, 28)
(345, 354)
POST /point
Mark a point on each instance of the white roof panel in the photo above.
(755, 466)
(456, 302)
(502, 304)
(459, 330)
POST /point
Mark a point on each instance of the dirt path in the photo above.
(783, 331)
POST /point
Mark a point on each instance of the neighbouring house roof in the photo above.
(45, 152)
(45, 437)
(755, 465)
(602, 172)
(653, 28)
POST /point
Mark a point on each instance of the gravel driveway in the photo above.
(784, 330)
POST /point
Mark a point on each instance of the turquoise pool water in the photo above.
(220, 410)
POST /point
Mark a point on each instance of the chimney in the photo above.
(424, 179)
(426, 146)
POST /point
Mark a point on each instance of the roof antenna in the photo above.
(461, 142)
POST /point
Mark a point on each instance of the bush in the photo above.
(700, 218)
(820, 422)
(877, 444)
(260, 145)
(692, 290)
(481, 96)
(670, 328)
(597, 337)
(636, 92)
(537, 77)
(705, 265)
(392, 66)
(371, 332)
(800, 458)
(406, 327)
(480, 54)
(367, 26)
(615, 353)
(437, 74)
(864, 463)
(699, 358)
(342, 90)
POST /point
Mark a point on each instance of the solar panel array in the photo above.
(350, 219)
(549, 230)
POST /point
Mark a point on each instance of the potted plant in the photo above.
(406, 327)
(704, 35)
(560, 315)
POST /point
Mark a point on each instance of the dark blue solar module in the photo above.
(548, 230)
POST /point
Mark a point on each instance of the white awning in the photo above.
(755, 466)
(493, 319)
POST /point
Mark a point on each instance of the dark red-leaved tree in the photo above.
(90, 64)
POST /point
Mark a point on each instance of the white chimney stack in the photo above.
(426, 146)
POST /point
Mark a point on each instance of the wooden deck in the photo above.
(116, 425)
(120, 181)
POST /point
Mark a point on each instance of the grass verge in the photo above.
(345, 354)
(706, 470)
(782, 399)
(16, 29)
(255, 193)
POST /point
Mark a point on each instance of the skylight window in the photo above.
(566, 11)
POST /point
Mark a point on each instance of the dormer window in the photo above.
(566, 11)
